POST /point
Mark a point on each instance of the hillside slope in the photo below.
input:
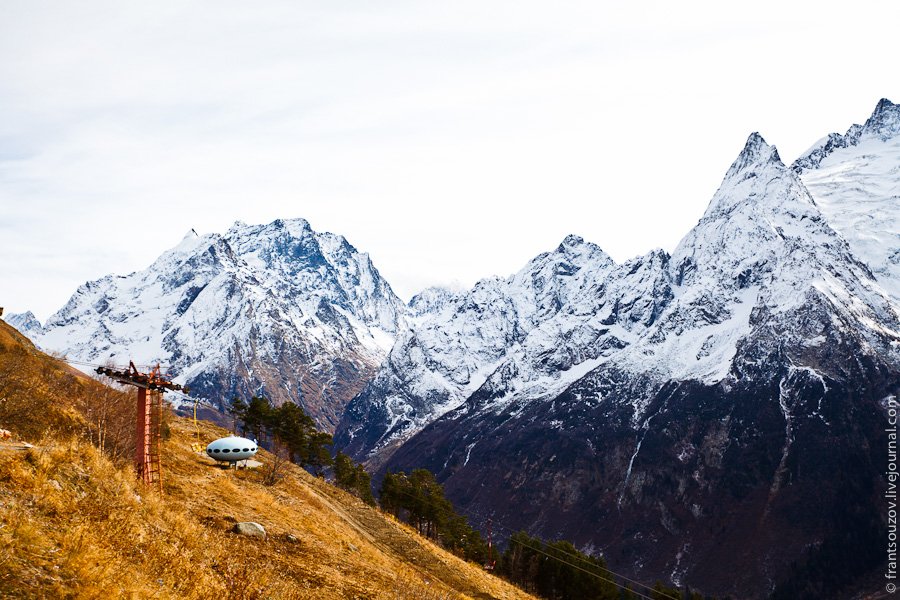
(75, 523)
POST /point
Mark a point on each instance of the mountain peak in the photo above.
(188, 245)
(884, 124)
(296, 227)
(885, 120)
(757, 147)
(293, 227)
(576, 248)
(431, 300)
(756, 152)
(743, 176)
(884, 105)
(570, 241)
(278, 293)
(759, 200)
(25, 322)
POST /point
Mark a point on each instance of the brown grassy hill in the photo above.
(74, 522)
(35, 390)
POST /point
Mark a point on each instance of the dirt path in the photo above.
(392, 539)
(345, 516)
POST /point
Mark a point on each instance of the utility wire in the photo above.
(582, 559)
(557, 558)
(575, 556)
(121, 367)
(481, 517)
(612, 581)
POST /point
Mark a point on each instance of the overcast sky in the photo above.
(449, 140)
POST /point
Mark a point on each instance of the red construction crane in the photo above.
(150, 388)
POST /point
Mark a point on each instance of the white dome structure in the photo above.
(231, 449)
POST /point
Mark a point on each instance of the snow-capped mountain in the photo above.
(25, 322)
(855, 180)
(762, 244)
(456, 341)
(662, 409)
(276, 309)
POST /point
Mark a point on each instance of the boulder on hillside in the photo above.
(250, 529)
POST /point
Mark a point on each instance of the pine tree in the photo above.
(293, 427)
(257, 416)
(390, 495)
(237, 408)
(317, 455)
(352, 477)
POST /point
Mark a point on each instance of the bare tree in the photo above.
(273, 471)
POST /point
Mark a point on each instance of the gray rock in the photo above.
(250, 529)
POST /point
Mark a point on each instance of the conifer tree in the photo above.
(257, 417)
(237, 408)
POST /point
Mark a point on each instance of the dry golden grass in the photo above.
(75, 523)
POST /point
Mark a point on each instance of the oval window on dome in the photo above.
(246, 449)
(216, 450)
(225, 450)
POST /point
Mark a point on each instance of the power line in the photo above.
(612, 581)
(577, 557)
(558, 559)
(456, 512)
(90, 364)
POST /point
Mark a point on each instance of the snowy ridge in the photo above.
(276, 309)
(762, 251)
(25, 322)
(855, 180)
(761, 246)
(458, 340)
